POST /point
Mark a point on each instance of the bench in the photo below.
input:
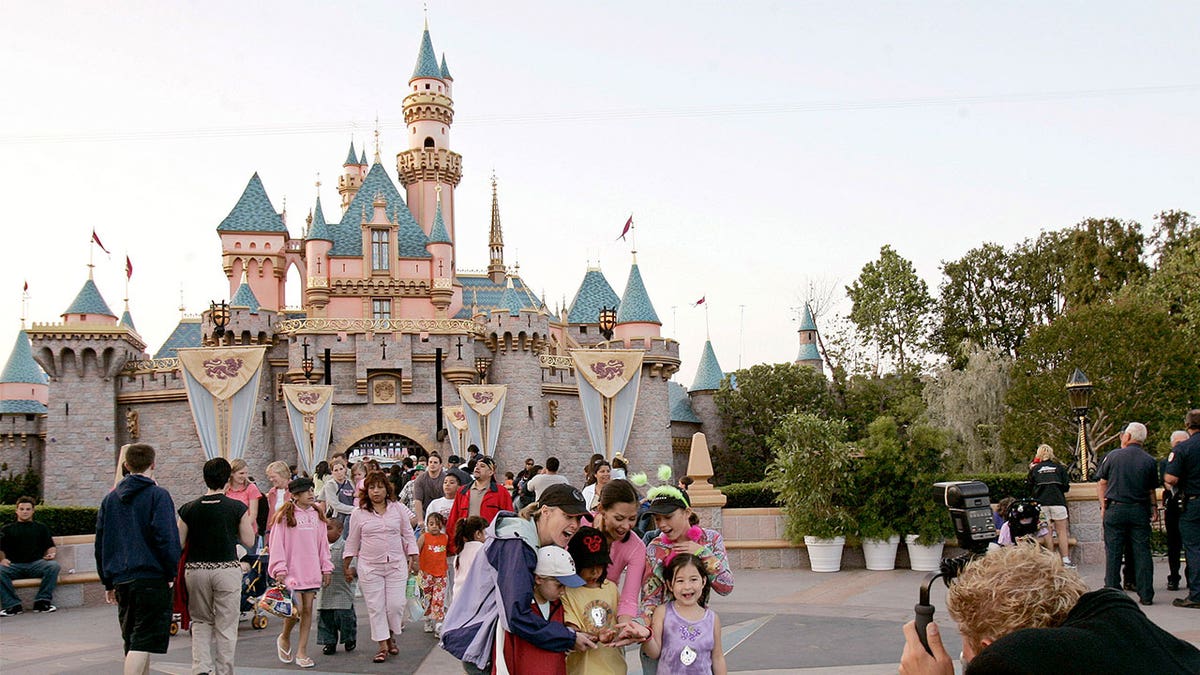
(67, 579)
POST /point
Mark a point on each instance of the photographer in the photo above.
(1020, 611)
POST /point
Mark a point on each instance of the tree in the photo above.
(891, 306)
(1143, 368)
(811, 473)
(1105, 255)
(867, 397)
(1174, 284)
(752, 410)
(1174, 229)
(969, 404)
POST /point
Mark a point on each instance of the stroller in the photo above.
(254, 584)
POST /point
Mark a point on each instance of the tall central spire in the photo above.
(495, 240)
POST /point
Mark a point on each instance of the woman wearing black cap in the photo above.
(500, 580)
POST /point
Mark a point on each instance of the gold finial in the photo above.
(181, 306)
(425, 11)
(493, 181)
(377, 155)
(318, 183)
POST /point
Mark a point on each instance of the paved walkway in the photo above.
(776, 621)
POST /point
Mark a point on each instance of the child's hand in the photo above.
(686, 546)
(584, 641)
(326, 577)
(630, 632)
(412, 564)
(349, 573)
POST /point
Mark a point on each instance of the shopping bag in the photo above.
(416, 599)
(277, 601)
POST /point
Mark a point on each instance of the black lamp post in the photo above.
(482, 364)
(608, 321)
(306, 363)
(219, 313)
(1079, 393)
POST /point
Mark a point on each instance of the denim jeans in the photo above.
(46, 570)
(1189, 528)
(1122, 523)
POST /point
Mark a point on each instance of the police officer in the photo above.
(1170, 501)
(1128, 481)
(1183, 475)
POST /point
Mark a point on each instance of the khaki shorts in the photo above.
(1055, 512)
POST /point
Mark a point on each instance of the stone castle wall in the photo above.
(21, 444)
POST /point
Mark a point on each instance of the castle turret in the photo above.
(354, 171)
(254, 240)
(702, 396)
(495, 268)
(316, 259)
(636, 316)
(89, 305)
(809, 354)
(22, 383)
(583, 316)
(442, 250)
(708, 373)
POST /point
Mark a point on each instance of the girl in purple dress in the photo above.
(686, 635)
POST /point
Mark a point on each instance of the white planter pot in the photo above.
(923, 558)
(825, 555)
(881, 553)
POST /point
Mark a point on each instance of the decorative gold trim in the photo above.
(380, 285)
(556, 361)
(443, 282)
(433, 326)
(318, 282)
(150, 366)
(162, 396)
(556, 388)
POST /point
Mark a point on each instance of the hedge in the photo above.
(1000, 485)
(62, 520)
(748, 495)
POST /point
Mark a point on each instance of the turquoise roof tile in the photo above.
(319, 228)
(806, 321)
(127, 321)
(22, 406)
(635, 304)
(809, 352)
(21, 367)
(486, 296)
(412, 241)
(253, 211)
(427, 63)
(593, 294)
(708, 374)
(362, 159)
(187, 334)
(347, 235)
(89, 301)
(351, 157)
(244, 297)
(439, 234)
(445, 70)
(515, 300)
(680, 404)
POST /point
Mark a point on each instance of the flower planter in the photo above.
(825, 555)
(880, 554)
(922, 558)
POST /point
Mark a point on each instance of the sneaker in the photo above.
(437, 630)
(12, 611)
(328, 649)
(1184, 602)
(351, 645)
(1068, 564)
(44, 606)
(428, 626)
(1173, 585)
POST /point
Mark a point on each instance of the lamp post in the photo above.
(608, 321)
(306, 363)
(482, 364)
(1079, 393)
(219, 313)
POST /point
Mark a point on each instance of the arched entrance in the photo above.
(382, 434)
(380, 446)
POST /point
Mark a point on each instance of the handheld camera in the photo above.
(971, 513)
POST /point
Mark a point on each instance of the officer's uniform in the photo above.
(1184, 464)
(1131, 476)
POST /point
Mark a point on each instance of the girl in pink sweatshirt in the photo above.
(299, 559)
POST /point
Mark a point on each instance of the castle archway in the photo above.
(380, 437)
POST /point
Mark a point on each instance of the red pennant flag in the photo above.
(26, 289)
(96, 238)
(699, 302)
(128, 268)
(628, 224)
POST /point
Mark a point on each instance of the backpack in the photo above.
(1023, 517)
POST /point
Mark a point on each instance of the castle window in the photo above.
(380, 250)
(426, 85)
(429, 141)
(583, 330)
(381, 309)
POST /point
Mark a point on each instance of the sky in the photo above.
(763, 149)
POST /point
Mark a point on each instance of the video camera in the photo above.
(971, 512)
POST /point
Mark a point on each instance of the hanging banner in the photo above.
(609, 380)
(222, 392)
(456, 425)
(483, 406)
(310, 416)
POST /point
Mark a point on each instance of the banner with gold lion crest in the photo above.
(310, 416)
(222, 392)
(456, 422)
(483, 406)
(609, 380)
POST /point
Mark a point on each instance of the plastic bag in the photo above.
(277, 601)
(416, 599)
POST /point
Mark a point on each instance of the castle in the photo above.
(388, 318)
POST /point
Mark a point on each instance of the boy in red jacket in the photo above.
(555, 571)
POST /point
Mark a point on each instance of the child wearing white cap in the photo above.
(555, 571)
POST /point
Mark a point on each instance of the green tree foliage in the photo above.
(891, 307)
(867, 397)
(812, 474)
(893, 490)
(1175, 282)
(969, 404)
(1105, 255)
(1143, 368)
(764, 395)
(1173, 229)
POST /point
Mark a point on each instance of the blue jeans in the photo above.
(1189, 529)
(1128, 523)
(46, 570)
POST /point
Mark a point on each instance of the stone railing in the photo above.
(433, 326)
(151, 366)
(557, 361)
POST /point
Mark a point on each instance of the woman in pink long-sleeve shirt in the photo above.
(381, 535)
(299, 559)
(616, 513)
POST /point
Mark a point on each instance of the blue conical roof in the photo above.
(445, 70)
(347, 236)
(351, 157)
(186, 335)
(427, 63)
(809, 352)
(594, 293)
(438, 234)
(244, 297)
(708, 374)
(806, 320)
(21, 367)
(411, 239)
(362, 159)
(89, 301)
(635, 304)
(513, 300)
(680, 404)
(319, 228)
(253, 211)
(127, 321)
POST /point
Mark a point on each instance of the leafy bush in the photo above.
(812, 474)
(16, 485)
(749, 495)
(882, 486)
(62, 520)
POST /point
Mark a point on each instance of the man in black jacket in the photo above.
(1020, 611)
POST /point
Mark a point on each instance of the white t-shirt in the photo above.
(544, 480)
(440, 505)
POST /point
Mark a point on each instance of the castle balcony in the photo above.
(410, 326)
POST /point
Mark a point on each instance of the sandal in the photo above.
(381, 656)
(284, 657)
(305, 662)
(392, 648)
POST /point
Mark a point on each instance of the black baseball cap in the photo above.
(589, 548)
(565, 497)
(301, 484)
(667, 500)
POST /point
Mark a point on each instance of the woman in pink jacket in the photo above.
(299, 559)
(381, 535)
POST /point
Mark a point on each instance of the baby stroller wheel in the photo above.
(258, 622)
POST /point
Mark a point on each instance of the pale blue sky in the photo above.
(758, 145)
